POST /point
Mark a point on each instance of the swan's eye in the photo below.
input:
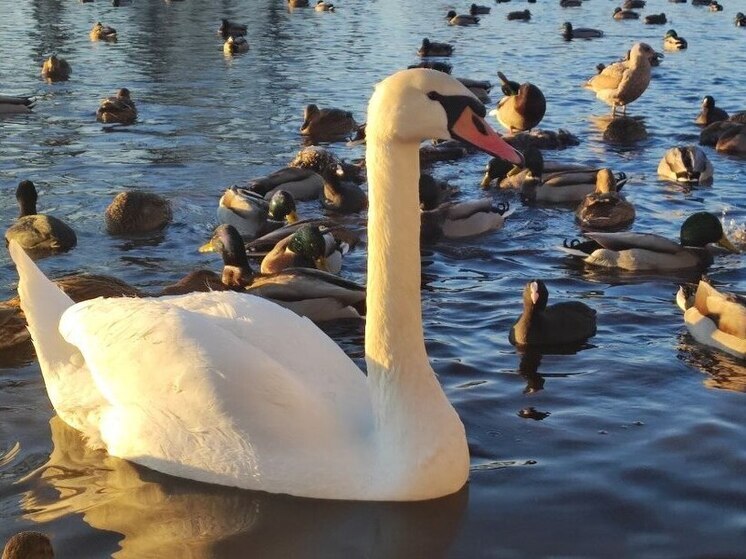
(433, 96)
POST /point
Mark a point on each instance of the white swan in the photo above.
(232, 389)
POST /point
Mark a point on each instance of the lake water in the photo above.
(643, 453)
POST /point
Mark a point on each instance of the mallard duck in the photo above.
(624, 130)
(28, 545)
(302, 183)
(38, 233)
(714, 6)
(306, 248)
(233, 405)
(566, 323)
(733, 141)
(322, 6)
(648, 252)
(687, 165)
(715, 319)
(461, 19)
(523, 106)
(476, 9)
(231, 29)
(235, 45)
(252, 215)
(430, 48)
(457, 220)
(621, 83)
(570, 3)
(672, 41)
(619, 13)
(710, 113)
(339, 196)
(633, 4)
(317, 158)
(327, 124)
(13, 105)
(740, 20)
(521, 15)
(101, 32)
(712, 132)
(656, 19)
(569, 32)
(319, 295)
(120, 109)
(604, 209)
(135, 212)
(56, 69)
(433, 192)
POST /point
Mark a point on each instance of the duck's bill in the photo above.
(207, 247)
(726, 244)
(292, 217)
(473, 129)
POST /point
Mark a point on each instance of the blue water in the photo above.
(643, 452)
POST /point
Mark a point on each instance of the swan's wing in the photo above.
(218, 387)
(626, 241)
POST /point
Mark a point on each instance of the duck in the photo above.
(523, 106)
(13, 105)
(305, 248)
(564, 187)
(740, 20)
(340, 196)
(656, 19)
(700, 2)
(317, 158)
(621, 83)
(317, 295)
(480, 88)
(654, 253)
(624, 130)
(569, 32)
(462, 19)
(119, 109)
(732, 141)
(604, 209)
(56, 69)
(438, 65)
(302, 183)
(231, 29)
(521, 15)
(221, 400)
(327, 124)
(101, 32)
(715, 319)
(235, 45)
(570, 3)
(38, 233)
(687, 165)
(28, 545)
(542, 139)
(137, 212)
(458, 220)
(672, 41)
(478, 9)
(298, 3)
(619, 13)
(710, 112)
(322, 6)
(565, 323)
(738, 117)
(714, 6)
(431, 48)
(633, 4)
(254, 216)
(433, 192)
(712, 132)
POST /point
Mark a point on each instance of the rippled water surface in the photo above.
(642, 453)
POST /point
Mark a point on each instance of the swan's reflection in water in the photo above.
(165, 517)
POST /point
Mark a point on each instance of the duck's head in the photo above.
(418, 104)
(123, 93)
(451, 14)
(672, 34)
(617, 10)
(282, 207)
(308, 243)
(429, 194)
(425, 43)
(535, 295)
(708, 102)
(228, 242)
(567, 28)
(28, 545)
(309, 112)
(703, 228)
(27, 196)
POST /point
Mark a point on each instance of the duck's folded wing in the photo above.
(294, 284)
(626, 241)
(280, 177)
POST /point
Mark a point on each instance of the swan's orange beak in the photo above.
(472, 129)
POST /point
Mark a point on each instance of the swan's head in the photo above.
(420, 104)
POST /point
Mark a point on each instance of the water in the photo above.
(642, 453)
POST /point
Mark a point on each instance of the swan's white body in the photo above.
(231, 389)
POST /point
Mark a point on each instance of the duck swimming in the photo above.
(305, 248)
(619, 13)
(710, 113)
(137, 212)
(302, 183)
(252, 215)
(523, 106)
(430, 48)
(656, 19)
(604, 209)
(120, 109)
(340, 196)
(521, 15)
(101, 32)
(13, 105)
(672, 41)
(653, 253)
(462, 19)
(201, 367)
(235, 45)
(732, 141)
(231, 29)
(327, 124)
(687, 165)
(56, 69)
(569, 32)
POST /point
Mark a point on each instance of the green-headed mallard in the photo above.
(56, 69)
(12, 105)
(569, 32)
(687, 165)
(672, 41)
(135, 212)
(28, 545)
(523, 106)
(327, 124)
(710, 112)
(119, 109)
(305, 248)
(621, 83)
(740, 20)
(101, 32)
(566, 323)
(231, 29)
(38, 233)
(252, 215)
(340, 196)
(715, 319)
(235, 45)
(461, 19)
(648, 252)
(604, 209)
(431, 48)
(302, 183)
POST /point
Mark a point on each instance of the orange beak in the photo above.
(474, 130)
